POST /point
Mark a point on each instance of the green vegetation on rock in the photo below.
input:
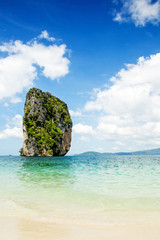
(46, 118)
(21, 151)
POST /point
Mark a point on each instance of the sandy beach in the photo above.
(24, 229)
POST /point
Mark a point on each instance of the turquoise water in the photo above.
(78, 188)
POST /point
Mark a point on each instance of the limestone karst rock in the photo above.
(47, 125)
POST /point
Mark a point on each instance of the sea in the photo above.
(82, 190)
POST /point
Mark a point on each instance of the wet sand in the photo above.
(12, 228)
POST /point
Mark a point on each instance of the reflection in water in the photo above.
(79, 185)
(46, 171)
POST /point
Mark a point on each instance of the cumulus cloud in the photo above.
(128, 110)
(15, 100)
(13, 128)
(119, 18)
(75, 113)
(14, 132)
(82, 129)
(133, 88)
(44, 34)
(139, 11)
(16, 121)
(19, 69)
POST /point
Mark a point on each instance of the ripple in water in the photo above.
(91, 189)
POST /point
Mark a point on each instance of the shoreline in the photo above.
(75, 200)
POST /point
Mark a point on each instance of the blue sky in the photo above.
(101, 57)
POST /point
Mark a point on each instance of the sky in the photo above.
(101, 57)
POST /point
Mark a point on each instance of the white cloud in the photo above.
(75, 113)
(16, 100)
(119, 18)
(133, 88)
(82, 129)
(19, 69)
(13, 129)
(17, 121)
(84, 139)
(128, 112)
(139, 11)
(44, 34)
(14, 132)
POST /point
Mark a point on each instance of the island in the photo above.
(47, 125)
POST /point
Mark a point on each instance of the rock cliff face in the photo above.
(47, 125)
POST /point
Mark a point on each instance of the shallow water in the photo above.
(81, 190)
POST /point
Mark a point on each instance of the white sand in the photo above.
(12, 228)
